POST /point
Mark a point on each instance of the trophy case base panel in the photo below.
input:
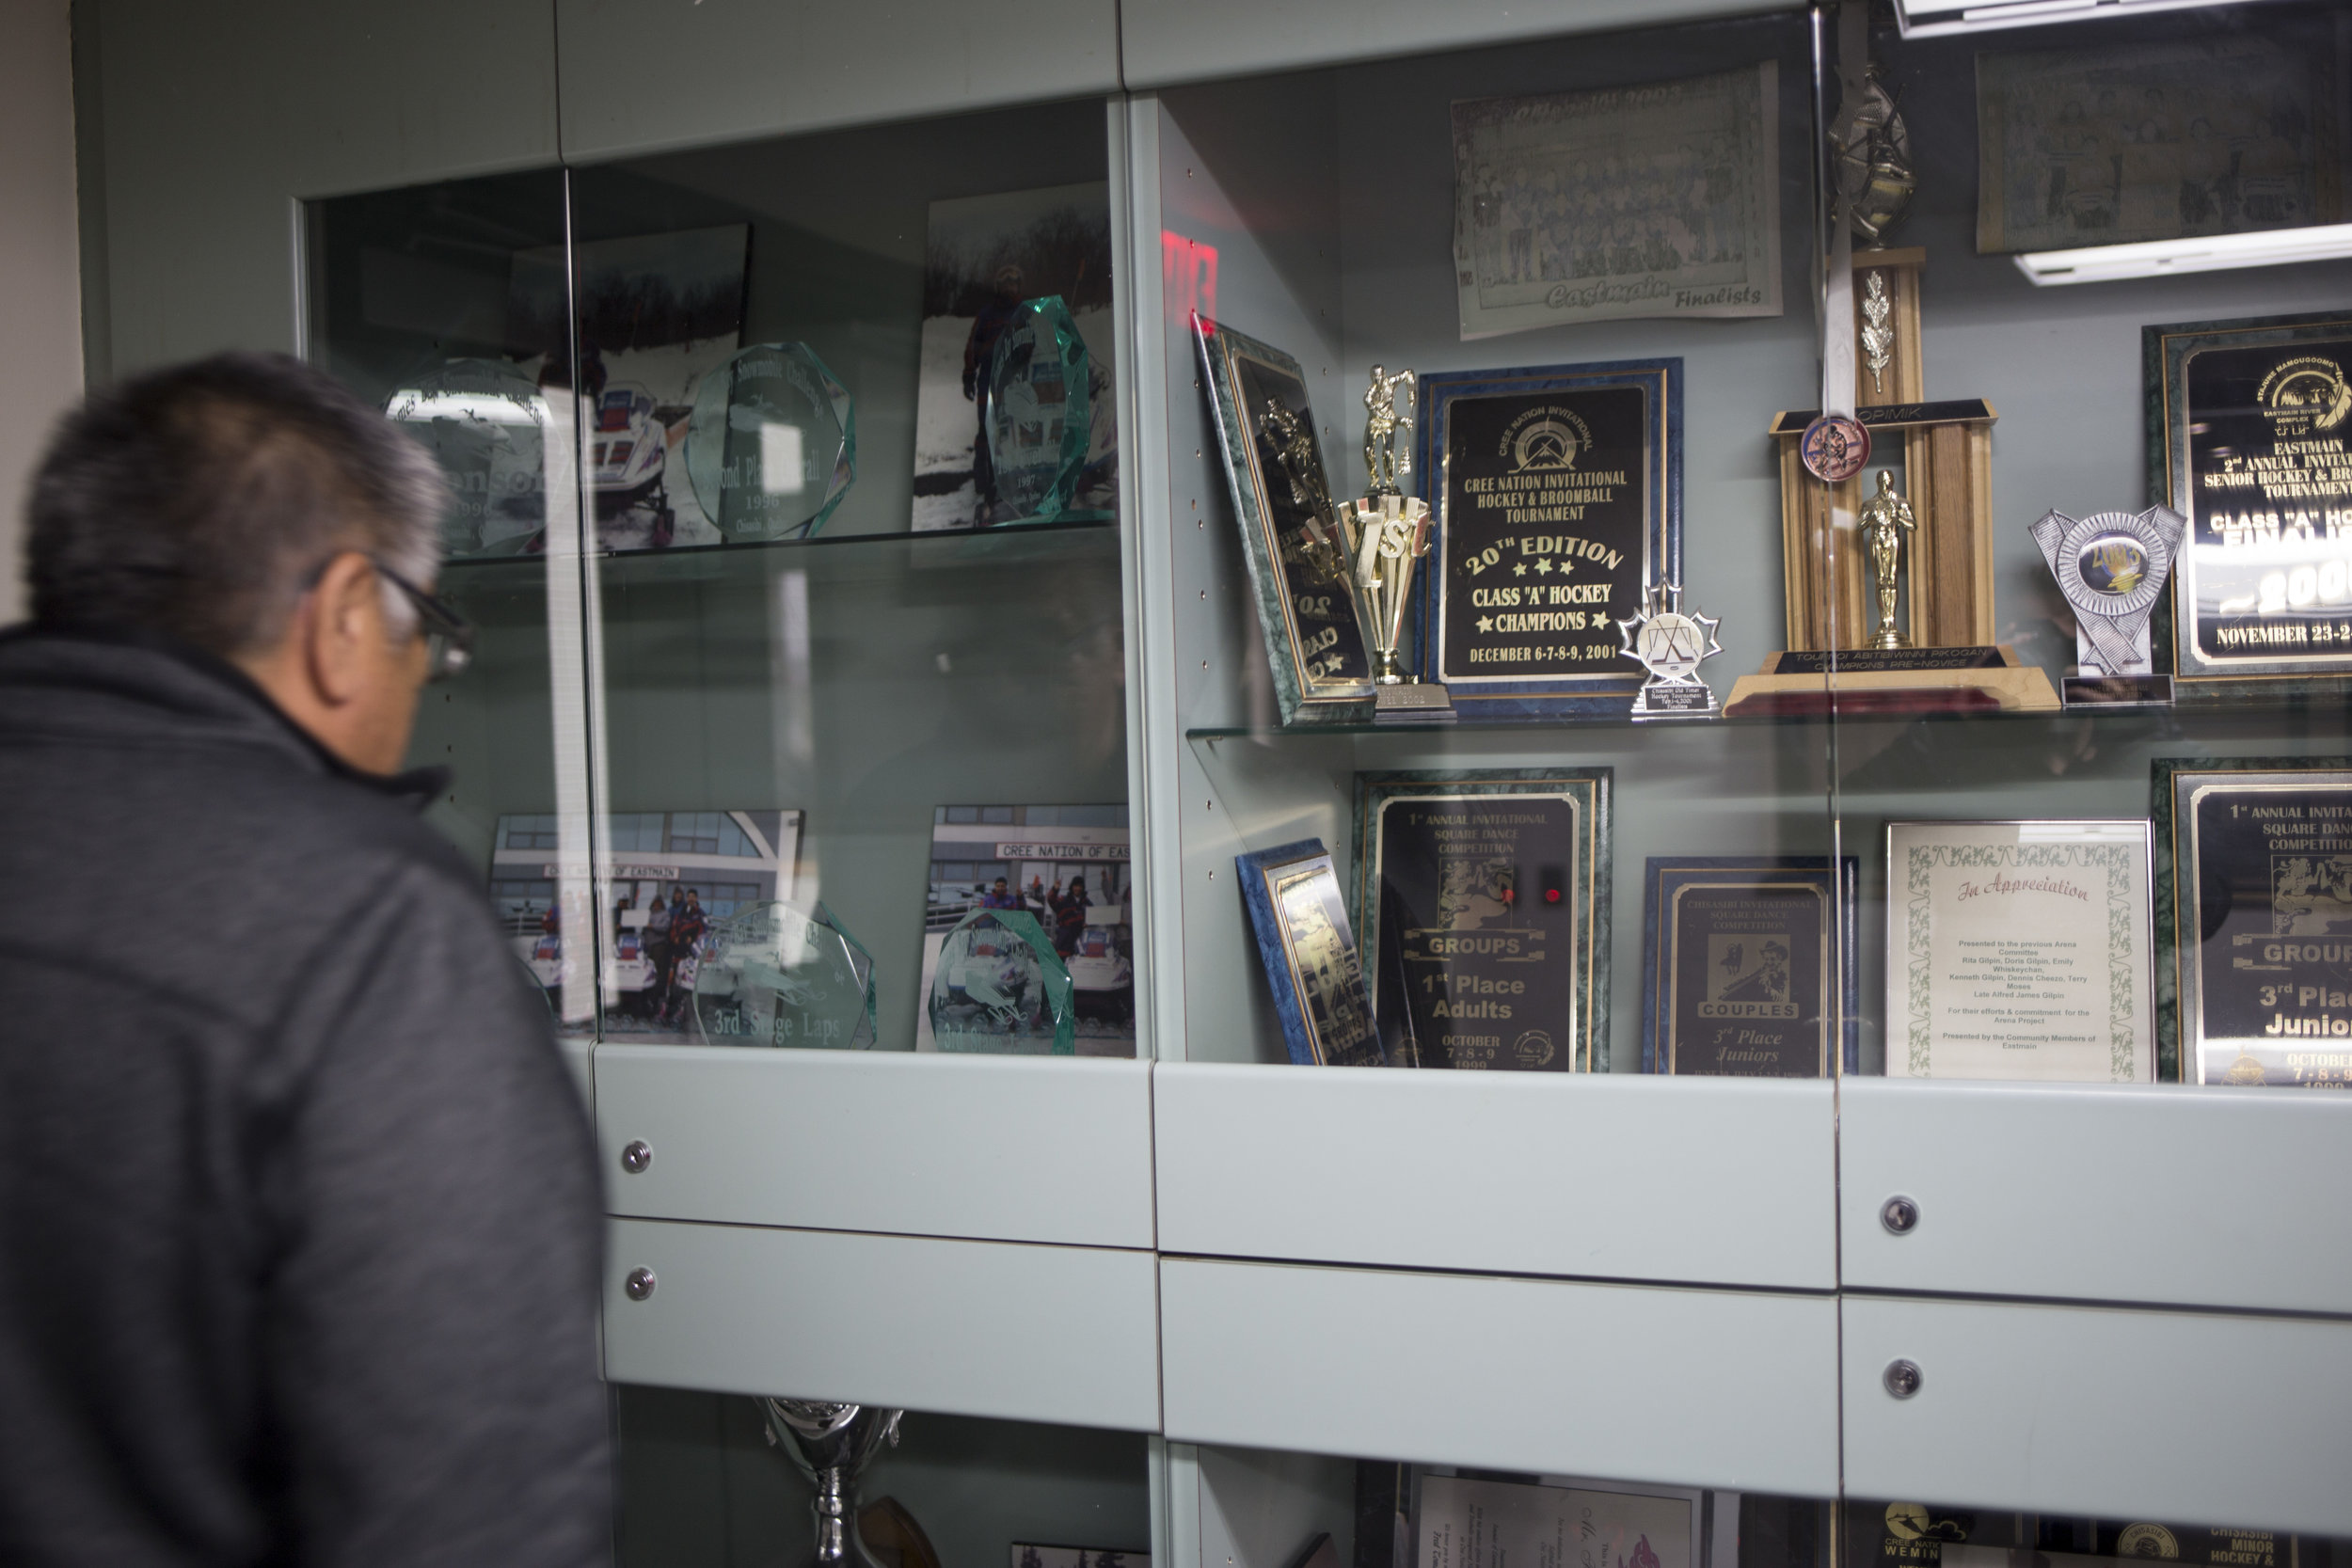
(2004, 687)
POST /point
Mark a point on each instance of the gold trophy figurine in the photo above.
(1885, 518)
(1388, 538)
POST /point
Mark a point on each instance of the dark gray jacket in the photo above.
(298, 1212)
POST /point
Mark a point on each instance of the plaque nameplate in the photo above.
(2254, 872)
(1741, 960)
(2019, 950)
(1856, 662)
(1486, 896)
(1558, 507)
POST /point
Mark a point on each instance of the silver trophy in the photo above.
(1670, 642)
(832, 1443)
(2111, 567)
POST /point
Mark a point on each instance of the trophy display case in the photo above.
(1594, 763)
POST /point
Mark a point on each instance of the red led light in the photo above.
(1551, 896)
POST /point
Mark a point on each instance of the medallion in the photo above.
(1486, 895)
(1835, 446)
(1559, 507)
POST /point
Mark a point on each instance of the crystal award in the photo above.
(1001, 986)
(1040, 416)
(771, 445)
(485, 423)
(773, 975)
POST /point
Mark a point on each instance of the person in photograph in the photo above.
(309, 1221)
(687, 925)
(979, 353)
(1070, 916)
(654, 946)
(1000, 896)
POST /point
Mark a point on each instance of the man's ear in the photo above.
(339, 627)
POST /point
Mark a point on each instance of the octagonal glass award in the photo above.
(485, 423)
(771, 445)
(1000, 987)
(773, 975)
(1040, 416)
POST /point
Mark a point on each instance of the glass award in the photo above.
(486, 423)
(772, 976)
(1000, 987)
(1040, 415)
(771, 445)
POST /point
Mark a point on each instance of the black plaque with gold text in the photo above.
(1557, 496)
(1486, 897)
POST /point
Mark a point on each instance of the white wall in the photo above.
(40, 293)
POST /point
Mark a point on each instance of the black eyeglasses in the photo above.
(448, 636)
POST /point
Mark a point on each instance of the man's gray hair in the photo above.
(201, 502)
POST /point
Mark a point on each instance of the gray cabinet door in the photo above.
(213, 123)
(650, 75)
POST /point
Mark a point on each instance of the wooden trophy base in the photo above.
(1892, 683)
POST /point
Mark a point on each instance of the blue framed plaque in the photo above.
(1556, 496)
(1748, 965)
(1299, 911)
(1486, 897)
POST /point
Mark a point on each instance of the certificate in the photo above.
(1556, 1522)
(2020, 950)
(2254, 858)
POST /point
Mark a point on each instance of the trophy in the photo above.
(1000, 987)
(1039, 413)
(1670, 644)
(1885, 518)
(2111, 567)
(768, 975)
(771, 444)
(1372, 546)
(830, 1443)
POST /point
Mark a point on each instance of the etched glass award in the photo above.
(1000, 987)
(771, 445)
(1038, 417)
(485, 423)
(771, 974)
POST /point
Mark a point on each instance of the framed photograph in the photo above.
(672, 877)
(1314, 646)
(1300, 913)
(2253, 867)
(1557, 502)
(2249, 422)
(1485, 900)
(2164, 140)
(2020, 950)
(1748, 965)
(1656, 199)
(982, 257)
(1480, 1519)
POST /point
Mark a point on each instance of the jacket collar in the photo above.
(221, 691)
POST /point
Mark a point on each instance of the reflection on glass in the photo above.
(1038, 419)
(485, 422)
(772, 976)
(771, 445)
(1000, 987)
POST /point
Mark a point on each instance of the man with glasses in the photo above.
(299, 1199)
